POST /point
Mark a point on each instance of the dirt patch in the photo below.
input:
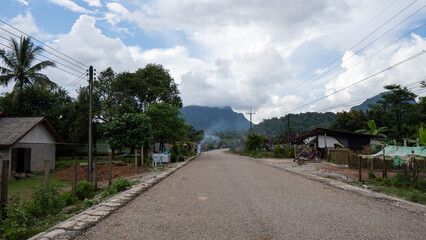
(350, 172)
(117, 171)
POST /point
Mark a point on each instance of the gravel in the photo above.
(223, 196)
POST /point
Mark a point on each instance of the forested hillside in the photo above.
(214, 119)
(298, 122)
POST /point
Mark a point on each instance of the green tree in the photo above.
(255, 142)
(130, 130)
(398, 103)
(350, 121)
(167, 124)
(19, 67)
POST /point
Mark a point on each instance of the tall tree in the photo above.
(398, 102)
(19, 66)
(167, 124)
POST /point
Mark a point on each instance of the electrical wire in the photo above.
(340, 56)
(82, 64)
(362, 80)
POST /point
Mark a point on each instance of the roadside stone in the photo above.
(70, 209)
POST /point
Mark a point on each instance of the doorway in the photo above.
(21, 160)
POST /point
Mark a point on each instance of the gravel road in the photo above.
(223, 196)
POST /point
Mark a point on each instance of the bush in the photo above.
(16, 221)
(84, 190)
(67, 198)
(44, 202)
(121, 184)
(107, 191)
(416, 196)
(175, 152)
(90, 202)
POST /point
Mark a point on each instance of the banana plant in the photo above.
(373, 130)
(422, 134)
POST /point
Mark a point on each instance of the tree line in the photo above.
(146, 100)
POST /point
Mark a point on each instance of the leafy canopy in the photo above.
(130, 130)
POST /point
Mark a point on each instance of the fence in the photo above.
(345, 156)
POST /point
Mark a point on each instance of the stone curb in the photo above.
(71, 227)
(394, 201)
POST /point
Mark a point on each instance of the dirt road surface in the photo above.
(223, 196)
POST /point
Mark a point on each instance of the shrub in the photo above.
(16, 221)
(43, 202)
(107, 191)
(416, 196)
(67, 198)
(175, 152)
(121, 184)
(84, 190)
(90, 202)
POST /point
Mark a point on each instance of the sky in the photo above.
(270, 57)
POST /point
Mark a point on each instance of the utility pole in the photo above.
(89, 163)
(251, 123)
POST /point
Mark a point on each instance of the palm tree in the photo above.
(18, 67)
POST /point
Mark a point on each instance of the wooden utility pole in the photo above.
(136, 159)
(4, 185)
(89, 161)
(142, 156)
(385, 175)
(95, 173)
(251, 122)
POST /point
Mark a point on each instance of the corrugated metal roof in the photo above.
(13, 129)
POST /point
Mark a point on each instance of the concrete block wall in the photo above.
(39, 153)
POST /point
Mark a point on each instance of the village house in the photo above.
(27, 142)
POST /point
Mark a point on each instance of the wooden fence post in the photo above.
(4, 185)
(136, 159)
(415, 170)
(109, 168)
(385, 175)
(142, 156)
(295, 152)
(95, 173)
(359, 169)
(46, 175)
(74, 177)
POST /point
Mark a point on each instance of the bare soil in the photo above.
(117, 171)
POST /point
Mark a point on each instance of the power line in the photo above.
(347, 39)
(42, 61)
(42, 49)
(362, 80)
(372, 55)
(84, 65)
(362, 40)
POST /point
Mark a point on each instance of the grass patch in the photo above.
(409, 194)
(25, 187)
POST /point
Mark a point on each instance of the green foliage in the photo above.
(18, 66)
(130, 130)
(255, 142)
(422, 136)
(44, 202)
(298, 122)
(175, 152)
(121, 184)
(372, 126)
(16, 221)
(67, 199)
(167, 124)
(84, 190)
(416, 196)
(89, 202)
(283, 152)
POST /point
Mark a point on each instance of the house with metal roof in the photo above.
(27, 142)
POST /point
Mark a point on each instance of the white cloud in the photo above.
(70, 5)
(23, 2)
(94, 3)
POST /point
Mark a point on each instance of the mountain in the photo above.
(214, 119)
(364, 106)
(370, 101)
(298, 122)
